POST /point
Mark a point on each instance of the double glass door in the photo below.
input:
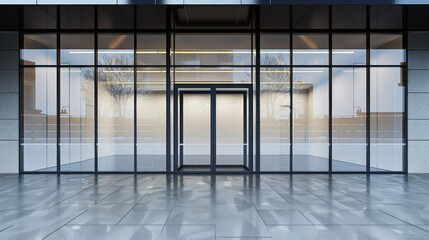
(212, 128)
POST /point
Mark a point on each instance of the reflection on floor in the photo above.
(269, 163)
(47, 206)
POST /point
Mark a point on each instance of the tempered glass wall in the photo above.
(349, 102)
(310, 102)
(310, 119)
(115, 119)
(39, 119)
(387, 119)
(331, 90)
(77, 119)
(151, 119)
(275, 104)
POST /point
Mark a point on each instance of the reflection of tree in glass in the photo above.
(275, 82)
(118, 81)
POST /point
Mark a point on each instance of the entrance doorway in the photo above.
(213, 128)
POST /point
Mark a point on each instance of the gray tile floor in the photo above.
(214, 207)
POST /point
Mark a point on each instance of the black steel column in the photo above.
(213, 129)
(245, 129)
(58, 92)
(368, 91)
(175, 130)
(96, 90)
(291, 90)
(135, 90)
(251, 128)
(258, 90)
(181, 129)
(168, 94)
(330, 89)
(21, 95)
(404, 71)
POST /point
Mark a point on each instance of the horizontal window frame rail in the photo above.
(219, 172)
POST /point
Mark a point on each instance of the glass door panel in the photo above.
(194, 130)
(231, 131)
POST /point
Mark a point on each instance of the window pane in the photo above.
(77, 119)
(151, 119)
(275, 119)
(386, 49)
(213, 49)
(9, 18)
(39, 119)
(77, 49)
(274, 17)
(348, 119)
(39, 49)
(310, 17)
(115, 17)
(151, 49)
(311, 119)
(310, 49)
(387, 118)
(217, 16)
(213, 75)
(77, 17)
(115, 49)
(349, 17)
(115, 119)
(275, 49)
(348, 49)
(151, 17)
(386, 17)
(40, 17)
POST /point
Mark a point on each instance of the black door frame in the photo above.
(212, 89)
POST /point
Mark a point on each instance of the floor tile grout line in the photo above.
(135, 204)
(397, 218)
(65, 224)
(306, 217)
(420, 227)
(6, 228)
(259, 214)
(69, 198)
(101, 201)
(165, 224)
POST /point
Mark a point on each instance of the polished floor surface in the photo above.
(156, 163)
(42, 206)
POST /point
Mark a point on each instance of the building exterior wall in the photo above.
(418, 102)
(9, 101)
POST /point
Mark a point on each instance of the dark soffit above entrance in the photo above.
(211, 2)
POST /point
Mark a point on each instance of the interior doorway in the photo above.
(213, 128)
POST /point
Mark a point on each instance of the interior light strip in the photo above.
(208, 82)
(211, 52)
(212, 71)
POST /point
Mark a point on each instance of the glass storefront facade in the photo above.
(145, 89)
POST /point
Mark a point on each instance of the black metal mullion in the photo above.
(258, 92)
(58, 94)
(291, 141)
(404, 70)
(175, 129)
(181, 132)
(368, 91)
(168, 97)
(96, 89)
(213, 129)
(245, 142)
(21, 95)
(135, 90)
(251, 128)
(330, 89)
